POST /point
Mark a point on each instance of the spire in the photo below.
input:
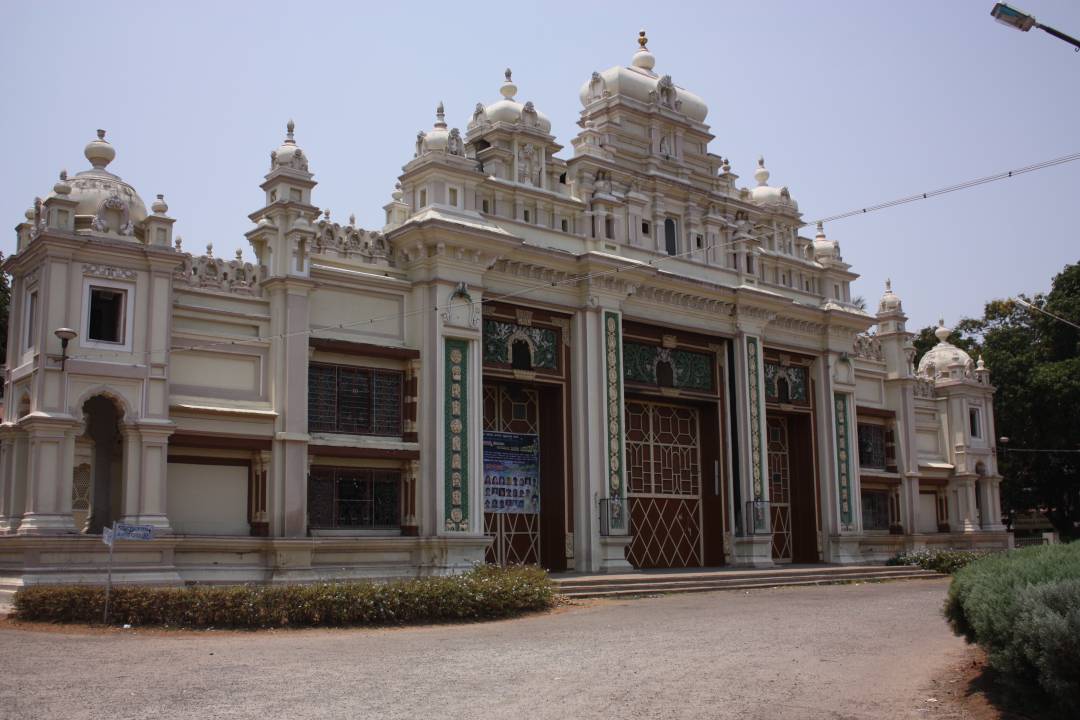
(440, 116)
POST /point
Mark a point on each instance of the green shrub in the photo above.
(484, 592)
(942, 561)
(1015, 605)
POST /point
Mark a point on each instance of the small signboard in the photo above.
(124, 531)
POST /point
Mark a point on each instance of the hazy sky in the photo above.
(851, 103)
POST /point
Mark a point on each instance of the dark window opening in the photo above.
(872, 446)
(520, 356)
(665, 374)
(609, 228)
(565, 225)
(646, 228)
(671, 242)
(562, 179)
(700, 242)
(482, 145)
(973, 421)
(354, 498)
(484, 205)
(354, 400)
(527, 216)
(106, 315)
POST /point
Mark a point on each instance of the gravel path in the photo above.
(844, 651)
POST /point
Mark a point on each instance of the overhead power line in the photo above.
(954, 188)
(1026, 304)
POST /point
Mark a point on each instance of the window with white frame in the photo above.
(975, 422)
(31, 321)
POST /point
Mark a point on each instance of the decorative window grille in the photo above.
(354, 400)
(871, 446)
(875, 509)
(354, 498)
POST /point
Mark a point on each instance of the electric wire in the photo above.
(953, 188)
(1026, 304)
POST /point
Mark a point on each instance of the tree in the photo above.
(1034, 362)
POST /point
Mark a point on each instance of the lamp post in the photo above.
(1022, 21)
(66, 335)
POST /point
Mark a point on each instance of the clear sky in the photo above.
(851, 103)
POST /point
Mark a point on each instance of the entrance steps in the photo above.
(662, 582)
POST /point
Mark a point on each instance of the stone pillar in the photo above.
(51, 452)
(10, 481)
(754, 545)
(146, 455)
(989, 488)
(409, 484)
(962, 515)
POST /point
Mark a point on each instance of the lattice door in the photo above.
(515, 536)
(780, 488)
(664, 485)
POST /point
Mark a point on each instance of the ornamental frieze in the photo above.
(109, 272)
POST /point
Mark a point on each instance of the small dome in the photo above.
(765, 194)
(640, 83)
(938, 359)
(289, 155)
(509, 110)
(890, 301)
(95, 187)
(436, 138)
(824, 248)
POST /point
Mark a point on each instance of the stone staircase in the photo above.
(662, 582)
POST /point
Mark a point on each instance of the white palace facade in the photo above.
(623, 358)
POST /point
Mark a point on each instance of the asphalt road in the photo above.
(845, 651)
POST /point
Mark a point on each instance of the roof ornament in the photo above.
(508, 89)
(160, 207)
(642, 40)
(289, 128)
(239, 255)
(643, 59)
(99, 152)
(761, 174)
(820, 229)
(62, 186)
(726, 165)
(210, 249)
(942, 332)
(178, 243)
(440, 116)
(352, 220)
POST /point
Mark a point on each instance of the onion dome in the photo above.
(639, 82)
(509, 110)
(890, 301)
(289, 155)
(944, 355)
(91, 189)
(765, 194)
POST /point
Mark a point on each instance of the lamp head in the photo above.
(65, 334)
(1012, 17)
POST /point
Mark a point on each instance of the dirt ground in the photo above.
(844, 651)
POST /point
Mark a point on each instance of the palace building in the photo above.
(624, 358)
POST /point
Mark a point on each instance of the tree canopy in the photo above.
(1034, 361)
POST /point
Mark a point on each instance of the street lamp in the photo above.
(1022, 21)
(66, 335)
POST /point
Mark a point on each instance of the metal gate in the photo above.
(780, 487)
(515, 536)
(664, 485)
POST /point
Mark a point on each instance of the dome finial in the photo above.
(99, 152)
(761, 174)
(642, 40)
(942, 332)
(289, 128)
(508, 74)
(62, 186)
(643, 59)
(508, 89)
(820, 229)
(888, 284)
(440, 116)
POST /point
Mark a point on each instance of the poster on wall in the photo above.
(511, 473)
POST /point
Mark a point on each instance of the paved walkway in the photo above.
(845, 651)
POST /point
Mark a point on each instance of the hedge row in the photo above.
(484, 592)
(1023, 608)
(943, 561)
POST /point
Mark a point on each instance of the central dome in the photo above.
(509, 110)
(640, 83)
(944, 355)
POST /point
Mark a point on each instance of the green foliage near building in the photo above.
(1023, 608)
(1034, 362)
(485, 592)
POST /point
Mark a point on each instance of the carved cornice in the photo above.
(109, 272)
(684, 300)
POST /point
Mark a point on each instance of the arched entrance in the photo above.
(103, 417)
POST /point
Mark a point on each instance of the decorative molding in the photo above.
(351, 242)
(564, 325)
(465, 313)
(456, 434)
(206, 272)
(843, 458)
(500, 335)
(109, 272)
(690, 370)
(753, 372)
(684, 300)
(613, 368)
(868, 347)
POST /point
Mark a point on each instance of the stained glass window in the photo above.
(871, 446)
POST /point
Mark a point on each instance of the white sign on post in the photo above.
(109, 536)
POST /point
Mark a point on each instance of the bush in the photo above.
(484, 592)
(1023, 607)
(942, 561)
